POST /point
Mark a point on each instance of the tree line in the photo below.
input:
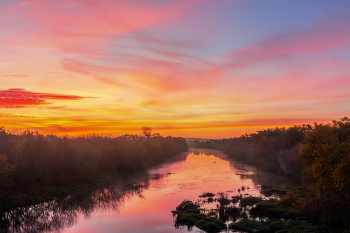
(274, 150)
(29, 159)
(318, 154)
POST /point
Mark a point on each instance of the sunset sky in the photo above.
(190, 68)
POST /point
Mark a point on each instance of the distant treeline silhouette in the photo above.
(29, 159)
(320, 154)
(274, 150)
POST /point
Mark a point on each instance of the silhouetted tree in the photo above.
(146, 132)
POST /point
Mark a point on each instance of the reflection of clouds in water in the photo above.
(248, 172)
(63, 212)
(191, 174)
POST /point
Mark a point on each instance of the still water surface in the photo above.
(144, 203)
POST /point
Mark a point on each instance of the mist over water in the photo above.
(142, 203)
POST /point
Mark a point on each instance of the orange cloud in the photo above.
(10, 115)
(20, 98)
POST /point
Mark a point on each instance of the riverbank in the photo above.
(319, 154)
(35, 168)
(44, 192)
(142, 203)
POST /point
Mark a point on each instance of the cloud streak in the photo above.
(314, 39)
(20, 98)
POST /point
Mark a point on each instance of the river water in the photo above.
(143, 203)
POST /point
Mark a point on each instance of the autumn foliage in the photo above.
(325, 155)
(319, 154)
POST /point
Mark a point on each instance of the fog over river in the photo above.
(143, 203)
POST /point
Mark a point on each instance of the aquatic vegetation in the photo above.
(187, 219)
(211, 225)
(229, 213)
(271, 209)
(275, 216)
(188, 206)
(223, 199)
(249, 226)
(274, 226)
(280, 192)
(188, 214)
(236, 199)
(264, 187)
(249, 201)
(207, 195)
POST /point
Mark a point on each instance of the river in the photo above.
(143, 203)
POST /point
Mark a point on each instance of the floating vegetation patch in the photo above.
(250, 201)
(271, 209)
(247, 214)
(268, 191)
(187, 207)
(274, 226)
(207, 195)
(223, 199)
(211, 225)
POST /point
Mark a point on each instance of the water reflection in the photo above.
(63, 212)
(143, 203)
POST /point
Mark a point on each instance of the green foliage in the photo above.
(211, 225)
(249, 226)
(292, 226)
(272, 209)
(187, 219)
(280, 192)
(223, 199)
(249, 201)
(275, 225)
(187, 206)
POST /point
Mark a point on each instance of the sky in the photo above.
(190, 68)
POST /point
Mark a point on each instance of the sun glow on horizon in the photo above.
(198, 68)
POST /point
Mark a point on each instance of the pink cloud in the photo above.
(20, 98)
(84, 26)
(318, 38)
(158, 74)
